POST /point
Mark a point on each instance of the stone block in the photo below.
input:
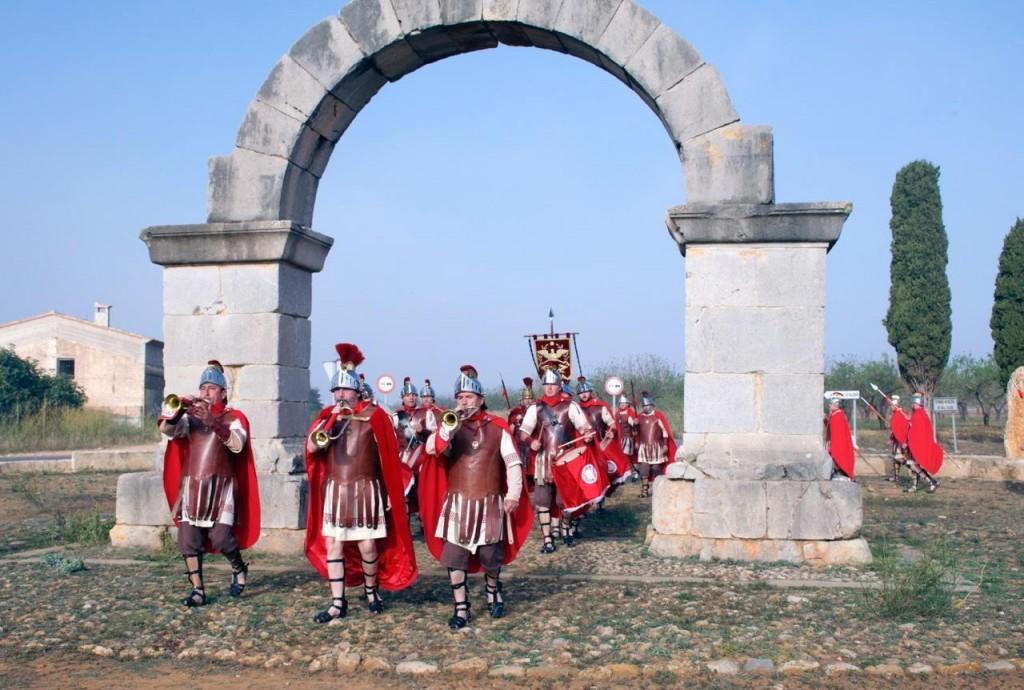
(284, 340)
(790, 276)
(585, 20)
(246, 186)
(719, 402)
(675, 545)
(276, 418)
(283, 501)
(788, 340)
(791, 403)
(672, 506)
(629, 28)
(842, 552)
(757, 455)
(265, 129)
(724, 509)
(328, 52)
(292, 90)
(499, 10)
(283, 542)
(137, 537)
(266, 288)
(268, 382)
(663, 61)
(140, 500)
(396, 60)
(359, 85)
(814, 510)
(472, 36)
(433, 44)
(542, 38)
(417, 15)
(582, 50)
(696, 105)
(283, 455)
(372, 23)
(192, 290)
(330, 120)
(732, 163)
(142, 459)
(539, 13)
(720, 276)
(510, 34)
(248, 242)
(460, 11)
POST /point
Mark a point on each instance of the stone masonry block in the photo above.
(542, 38)
(721, 277)
(279, 455)
(141, 500)
(270, 382)
(700, 351)
(771, 340)
(284, 340)
(396, 60)
(298, 195)
(460, 11)
(724, 509)
(509, 33)
(732, 163)
(292, 90)
(763, 275)
(696, 105)
(719, 403)
(583, 51)
(372, 23)
(791, 276)
(472, 36)
(814, 510)
(330, 120)
(434, 44)
(282, 501)
(628, 30)
(192, 290)
(360, 85)
(275, 418)
(245, 186)
(585, 20)
(417, 15)
(791, 403)
(265, 129)
(539, 13)
(328, 52)
(266, 288)
(672, 506)
(757, 456)
(499, 10)
(663, 61)
(184, 380)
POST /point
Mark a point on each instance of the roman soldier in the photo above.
(656, 447)
(409, 441)
(926, 455)
(839, 439)
(625, 421)
(210, 480)
(472, 499)
(515, 420)
(899, 428)
(603, 423)
(357, 530)
(551, 425)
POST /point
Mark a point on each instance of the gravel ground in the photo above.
(602, 613)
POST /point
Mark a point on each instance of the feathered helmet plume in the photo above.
(349, 357)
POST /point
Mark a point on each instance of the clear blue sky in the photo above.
(462, 189)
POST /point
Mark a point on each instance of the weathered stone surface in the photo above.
(267, 288)
(758, 456)
(814, 510)
(540, 13)
(473, 666)
(330, 120)
(276, 419)
(733, 163)
(507, 671)
(759, 666)
(723, 667)
(729, 509)
(360, 85)
(327, 52)
(499, 10)
(416, 15)
(755, 275)
(697, 105)
(721, 403)
(291, 89)
(663, 61)
(284, 542)
(674, 545)
(585, 20)
(279, 455)
(1000, 665)
(547, 672)
(434, 44)
(842, 552)
(542, 38)
(283, 340)
(780, 340)
(672, 508)
(415, 668)
(839, 668)
(397, 60)
(919, 669)
(459, 11)
(233, 243)
(372, 23)
(142, 459)
(791, 403)
(263, 382)
(799, 666)
(787, 224)
(148, 537)
(141, 500)
(885, 670)
(630, 27)
(347, 662)
(282, 501)
(265, 129)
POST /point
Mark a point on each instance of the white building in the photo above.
(121, 372)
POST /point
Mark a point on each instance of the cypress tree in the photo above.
(918, 321)
(1007, 321)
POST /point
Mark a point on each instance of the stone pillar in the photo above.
(752, 445)
(240, 293)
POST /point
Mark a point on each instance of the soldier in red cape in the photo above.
(413, 423)
(925, 454)
(472, 498)
(210, 481)
(625, 422)
(603, 423)
(655, 446)
(357, 530)
(515, 420)
(899, 428)
(840, 441)
(550, 425)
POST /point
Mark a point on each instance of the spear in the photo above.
(880, 392)
(872, 408)
(504, 391)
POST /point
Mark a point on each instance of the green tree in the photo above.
(918, 320)
(974, 380)
(1007, 321)
(24, 389)
(850, 373)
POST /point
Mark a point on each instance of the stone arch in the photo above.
(316, 90)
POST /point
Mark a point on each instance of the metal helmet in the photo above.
(467, 381)
(895, 399)
(427, 390)
(836, 397)
(550, 376)
(408, 388)
(918, 399)
(583, 386)
(527, 395)
(349, 357)
(214, 373)
(365, 390)
(646, 399)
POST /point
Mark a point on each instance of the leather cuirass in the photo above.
(555, 427)
(649, 431)
(476, 467)
(623, 420)
(353, 456)
(207, 454)
(596, 418)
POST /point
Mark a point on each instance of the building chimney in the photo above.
(101, 314)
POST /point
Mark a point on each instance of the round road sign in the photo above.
(385, 383)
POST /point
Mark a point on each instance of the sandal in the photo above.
(373, 601)
(549, 545)
(339, 604)
(495, 602)
(197, 597)
(458, 622)
(238, 587)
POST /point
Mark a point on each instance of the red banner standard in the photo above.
(553, 351)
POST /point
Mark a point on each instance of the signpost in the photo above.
(614, 386)
(847, 395)
(946, 406)
(386, 384)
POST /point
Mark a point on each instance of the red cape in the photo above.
(925, 451)
(434, 487)
(899, 426)
(840, 442)
(397, 561)
(671, 440)
(612, 451)
(247, 507)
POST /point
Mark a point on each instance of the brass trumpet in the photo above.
(173, 404)
(451, 420)
(322, 436)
